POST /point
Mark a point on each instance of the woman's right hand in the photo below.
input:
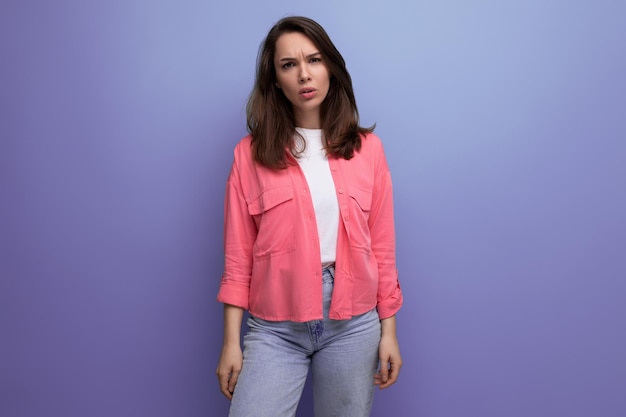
(228, 368)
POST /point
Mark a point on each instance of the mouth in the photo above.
(306, 90)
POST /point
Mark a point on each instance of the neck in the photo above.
(309, 120)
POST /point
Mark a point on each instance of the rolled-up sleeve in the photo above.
(239, 235)
(382, 231)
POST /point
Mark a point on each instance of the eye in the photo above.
(288, 65)
(316, 59)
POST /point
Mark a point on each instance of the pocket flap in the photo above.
(269, 199)
(362, 197)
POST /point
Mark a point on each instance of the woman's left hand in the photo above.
(389, 355)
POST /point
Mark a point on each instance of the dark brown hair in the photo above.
(270, 115)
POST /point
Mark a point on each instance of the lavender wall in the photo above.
(505, 127)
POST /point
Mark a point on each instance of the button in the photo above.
(341, 191)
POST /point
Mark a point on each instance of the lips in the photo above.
(307, 92)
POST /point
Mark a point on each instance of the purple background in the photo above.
(505, 127)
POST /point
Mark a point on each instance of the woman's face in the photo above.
(303, 77)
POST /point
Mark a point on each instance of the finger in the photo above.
(392, 376)
(381, 384)
(384, 370)
(384, 385)
(377, 380)
(223, 381)
(233, 381)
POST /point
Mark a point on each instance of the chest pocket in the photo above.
(274, 212)
(359, 206)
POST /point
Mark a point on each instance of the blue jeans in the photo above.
(342, 355)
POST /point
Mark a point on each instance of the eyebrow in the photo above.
(293, 59)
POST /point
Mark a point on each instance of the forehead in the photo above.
(293, 45)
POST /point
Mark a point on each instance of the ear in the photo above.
(277, 85)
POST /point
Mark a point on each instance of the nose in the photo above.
(304, 75)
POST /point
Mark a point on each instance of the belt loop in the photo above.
(331, 270)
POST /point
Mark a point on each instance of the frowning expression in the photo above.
(303, 77)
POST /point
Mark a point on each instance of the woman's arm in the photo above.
(389, 354)
(239, 236)
(382, 232)
(231, 358)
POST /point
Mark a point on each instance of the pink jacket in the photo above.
(272, 256)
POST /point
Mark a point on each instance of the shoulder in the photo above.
(243, 149)
(371, 141)
(244, 144)
(372, 152)
(371, 145)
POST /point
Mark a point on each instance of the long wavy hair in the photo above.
(270, 115)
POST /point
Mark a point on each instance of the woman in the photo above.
(309, 240)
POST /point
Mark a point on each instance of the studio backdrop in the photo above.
(504, 124)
